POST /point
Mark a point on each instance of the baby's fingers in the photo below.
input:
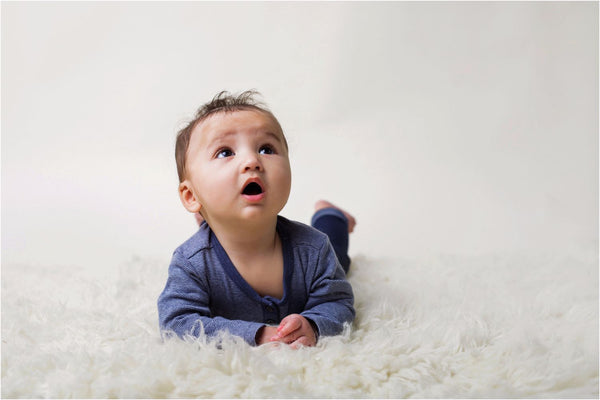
(302, 341)
(288, 339)
(289, 324)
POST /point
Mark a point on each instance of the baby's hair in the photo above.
(223, 102)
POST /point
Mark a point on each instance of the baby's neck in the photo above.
(248, 241)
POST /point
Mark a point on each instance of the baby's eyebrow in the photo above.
(222, 137)
(275, 136)
(217, 139)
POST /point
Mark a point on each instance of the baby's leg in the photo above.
(337, 224)
(321, 204)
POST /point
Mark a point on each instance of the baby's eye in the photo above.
(266, 149)
(224, 153)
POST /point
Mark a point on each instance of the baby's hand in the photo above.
(265, 333)
(296, 331)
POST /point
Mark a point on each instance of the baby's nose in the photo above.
(252, 163)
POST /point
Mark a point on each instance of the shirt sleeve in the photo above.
(331, 300)
(183, 306)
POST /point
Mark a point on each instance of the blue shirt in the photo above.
(205, 292)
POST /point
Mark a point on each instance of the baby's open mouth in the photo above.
(252, 189)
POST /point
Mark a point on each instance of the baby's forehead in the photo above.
(224, 123)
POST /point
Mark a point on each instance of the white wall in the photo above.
(445, 127)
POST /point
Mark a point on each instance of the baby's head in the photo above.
(221, 103)
(232, 160)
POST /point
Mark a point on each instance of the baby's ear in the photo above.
(188, 198)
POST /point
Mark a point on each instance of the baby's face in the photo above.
(237, 168)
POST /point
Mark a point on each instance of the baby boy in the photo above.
(248, 270)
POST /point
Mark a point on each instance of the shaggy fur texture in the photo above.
(494, 326)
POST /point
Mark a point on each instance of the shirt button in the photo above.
(269, 309)
(270, 322)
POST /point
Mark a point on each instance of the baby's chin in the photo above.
(250, 216)
(258, 213)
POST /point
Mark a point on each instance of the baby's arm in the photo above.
(331, 300)
(183, 306)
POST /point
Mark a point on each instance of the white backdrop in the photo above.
(464, 128)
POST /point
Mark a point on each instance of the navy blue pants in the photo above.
(334, 224)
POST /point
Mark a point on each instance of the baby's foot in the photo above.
(199, 218)
(325, 204)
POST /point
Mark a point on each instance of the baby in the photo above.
(248, 270)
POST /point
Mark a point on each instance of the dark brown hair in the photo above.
(222, 102)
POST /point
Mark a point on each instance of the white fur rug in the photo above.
(494, 326)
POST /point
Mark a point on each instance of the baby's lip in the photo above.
(253, 186)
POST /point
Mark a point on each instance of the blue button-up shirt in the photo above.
(206, 294)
